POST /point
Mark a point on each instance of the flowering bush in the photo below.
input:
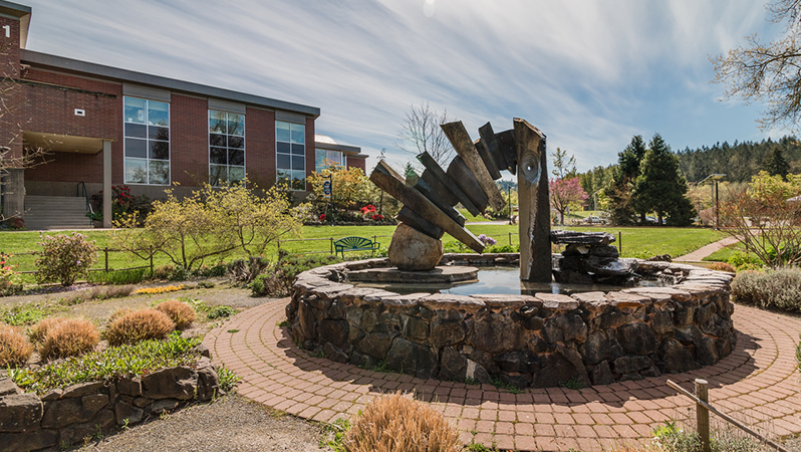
(13, 224)
(368, 209)
(123, 204)
(64, 258)
(487, 240)
(377, 217)
(322, 217)
(10, 280)
(158, 290)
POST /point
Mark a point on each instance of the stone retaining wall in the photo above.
(539, 341)
(62, 418)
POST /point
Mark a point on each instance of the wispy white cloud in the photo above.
(589, 73)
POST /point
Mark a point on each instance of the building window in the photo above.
(324, 158)
(290, 154)
(226, 147)
(147, 141)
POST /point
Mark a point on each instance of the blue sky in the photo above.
(589, 74)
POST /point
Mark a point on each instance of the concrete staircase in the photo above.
(55, 212)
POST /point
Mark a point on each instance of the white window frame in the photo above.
(244, 146)
(147, 159)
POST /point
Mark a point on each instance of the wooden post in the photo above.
(152, 270)
(105, 251)
(332, 245)
(534, 222)
(510, 239)
(620, 242)
(702, 414)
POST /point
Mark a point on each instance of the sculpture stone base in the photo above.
(411, 250)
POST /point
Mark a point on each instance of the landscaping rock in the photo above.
(477, 373)
(600, 346)
(7, 387)
(602, 374)
(130, 386)
(675, 358)
(335, 354)
(82, 389)
(25, 442)
(637, 338)
(334, 331)
(411, 250)
(126, 412)
(495, 334)
(376, 345)
(64, 412)
(20, 413)
(208, 383)
(160, 406)
(452, 365)
(175, 383)
(446, 333)
(414, 328)
(413, 359)
(631, 364)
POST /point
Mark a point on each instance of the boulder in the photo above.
(560, 367)
(637, 338)
(602, 374)
(413, 359)
(24, 442)
(20, 413)
(452, 365)
(518, 361)
(477, 373)
(495, 333)
(130, 386)
(174, 383)
(64, 412)
(600, 346)
(414, 328)
(7, 387)
(160, 406)
(446, 333)
(675, 357)
(376, 345)
(125, 412)
(333, 353)
(208, 383)
(82, 389)
(411, 250)
(334, 331)
(631, 364)
(707, 351)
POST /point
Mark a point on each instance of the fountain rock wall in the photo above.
(538, 341)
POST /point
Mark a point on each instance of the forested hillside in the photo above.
(738, 161)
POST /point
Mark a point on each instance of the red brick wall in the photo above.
(9, 68)
(357, 163)
(309, 146)
(189, 153)
(49, 106)
(260, 147)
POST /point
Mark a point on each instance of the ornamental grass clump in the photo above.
(39, 331)
(395, 423)
(180, 313)
(70, 337)
(138, 326)
(14, 349)
(723, 267)
(64, 258)
(772, 289)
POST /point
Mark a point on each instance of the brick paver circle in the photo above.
(757, 383)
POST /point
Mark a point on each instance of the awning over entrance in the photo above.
(62, 143)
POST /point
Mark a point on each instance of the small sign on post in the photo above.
(327, 189)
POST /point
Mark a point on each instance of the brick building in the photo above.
(104, 126)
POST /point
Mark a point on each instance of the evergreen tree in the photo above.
(410, 174)
(660, 188)
(775, 164)
(630, 161)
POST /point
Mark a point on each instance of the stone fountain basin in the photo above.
(543, 340)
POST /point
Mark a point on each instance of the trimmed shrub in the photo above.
(39, 331)
(772, 289)
(278, 278)
(70, 337)
(180, 313)
(14, 349)
(220, 312)
(138, 326)
(64, 258)
(394, 423)
(118, 314)
(723, 267)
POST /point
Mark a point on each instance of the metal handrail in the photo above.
(81, 189)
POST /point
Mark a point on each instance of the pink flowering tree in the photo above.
(566, 193)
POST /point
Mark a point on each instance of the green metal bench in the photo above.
(354, 244)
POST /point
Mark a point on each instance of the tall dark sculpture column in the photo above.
(534, 203)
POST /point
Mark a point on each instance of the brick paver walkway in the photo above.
(757, 383)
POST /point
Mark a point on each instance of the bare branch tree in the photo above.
(768, 73)
(421, 132)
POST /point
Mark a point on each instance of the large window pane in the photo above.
(298, 163)
(319, 160)
(298, 133)
(135, 148)
(218, 175)
(298, 180)
(218, 156)
(159, 150)
(158, 113)
(218, 140)
(236, 142)
(134, 110)
(159, 133)
(159, 173)
(236, 157)
(235, 174)
(334, 157)
(236, 125)
(282, 148)
(135, 171)
(282, 131)
(136, 130)
(218, 123)
(284, 161)
(298, 149)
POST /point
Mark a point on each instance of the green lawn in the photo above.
(639, 242)
(725, 253)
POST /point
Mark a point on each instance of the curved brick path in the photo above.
(757, 383)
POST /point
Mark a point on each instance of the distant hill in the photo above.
(738, 161)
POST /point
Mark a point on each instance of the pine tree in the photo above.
(411, 175)
(775, 164)
(660, 188)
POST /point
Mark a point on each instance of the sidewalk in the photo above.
(699, 254)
